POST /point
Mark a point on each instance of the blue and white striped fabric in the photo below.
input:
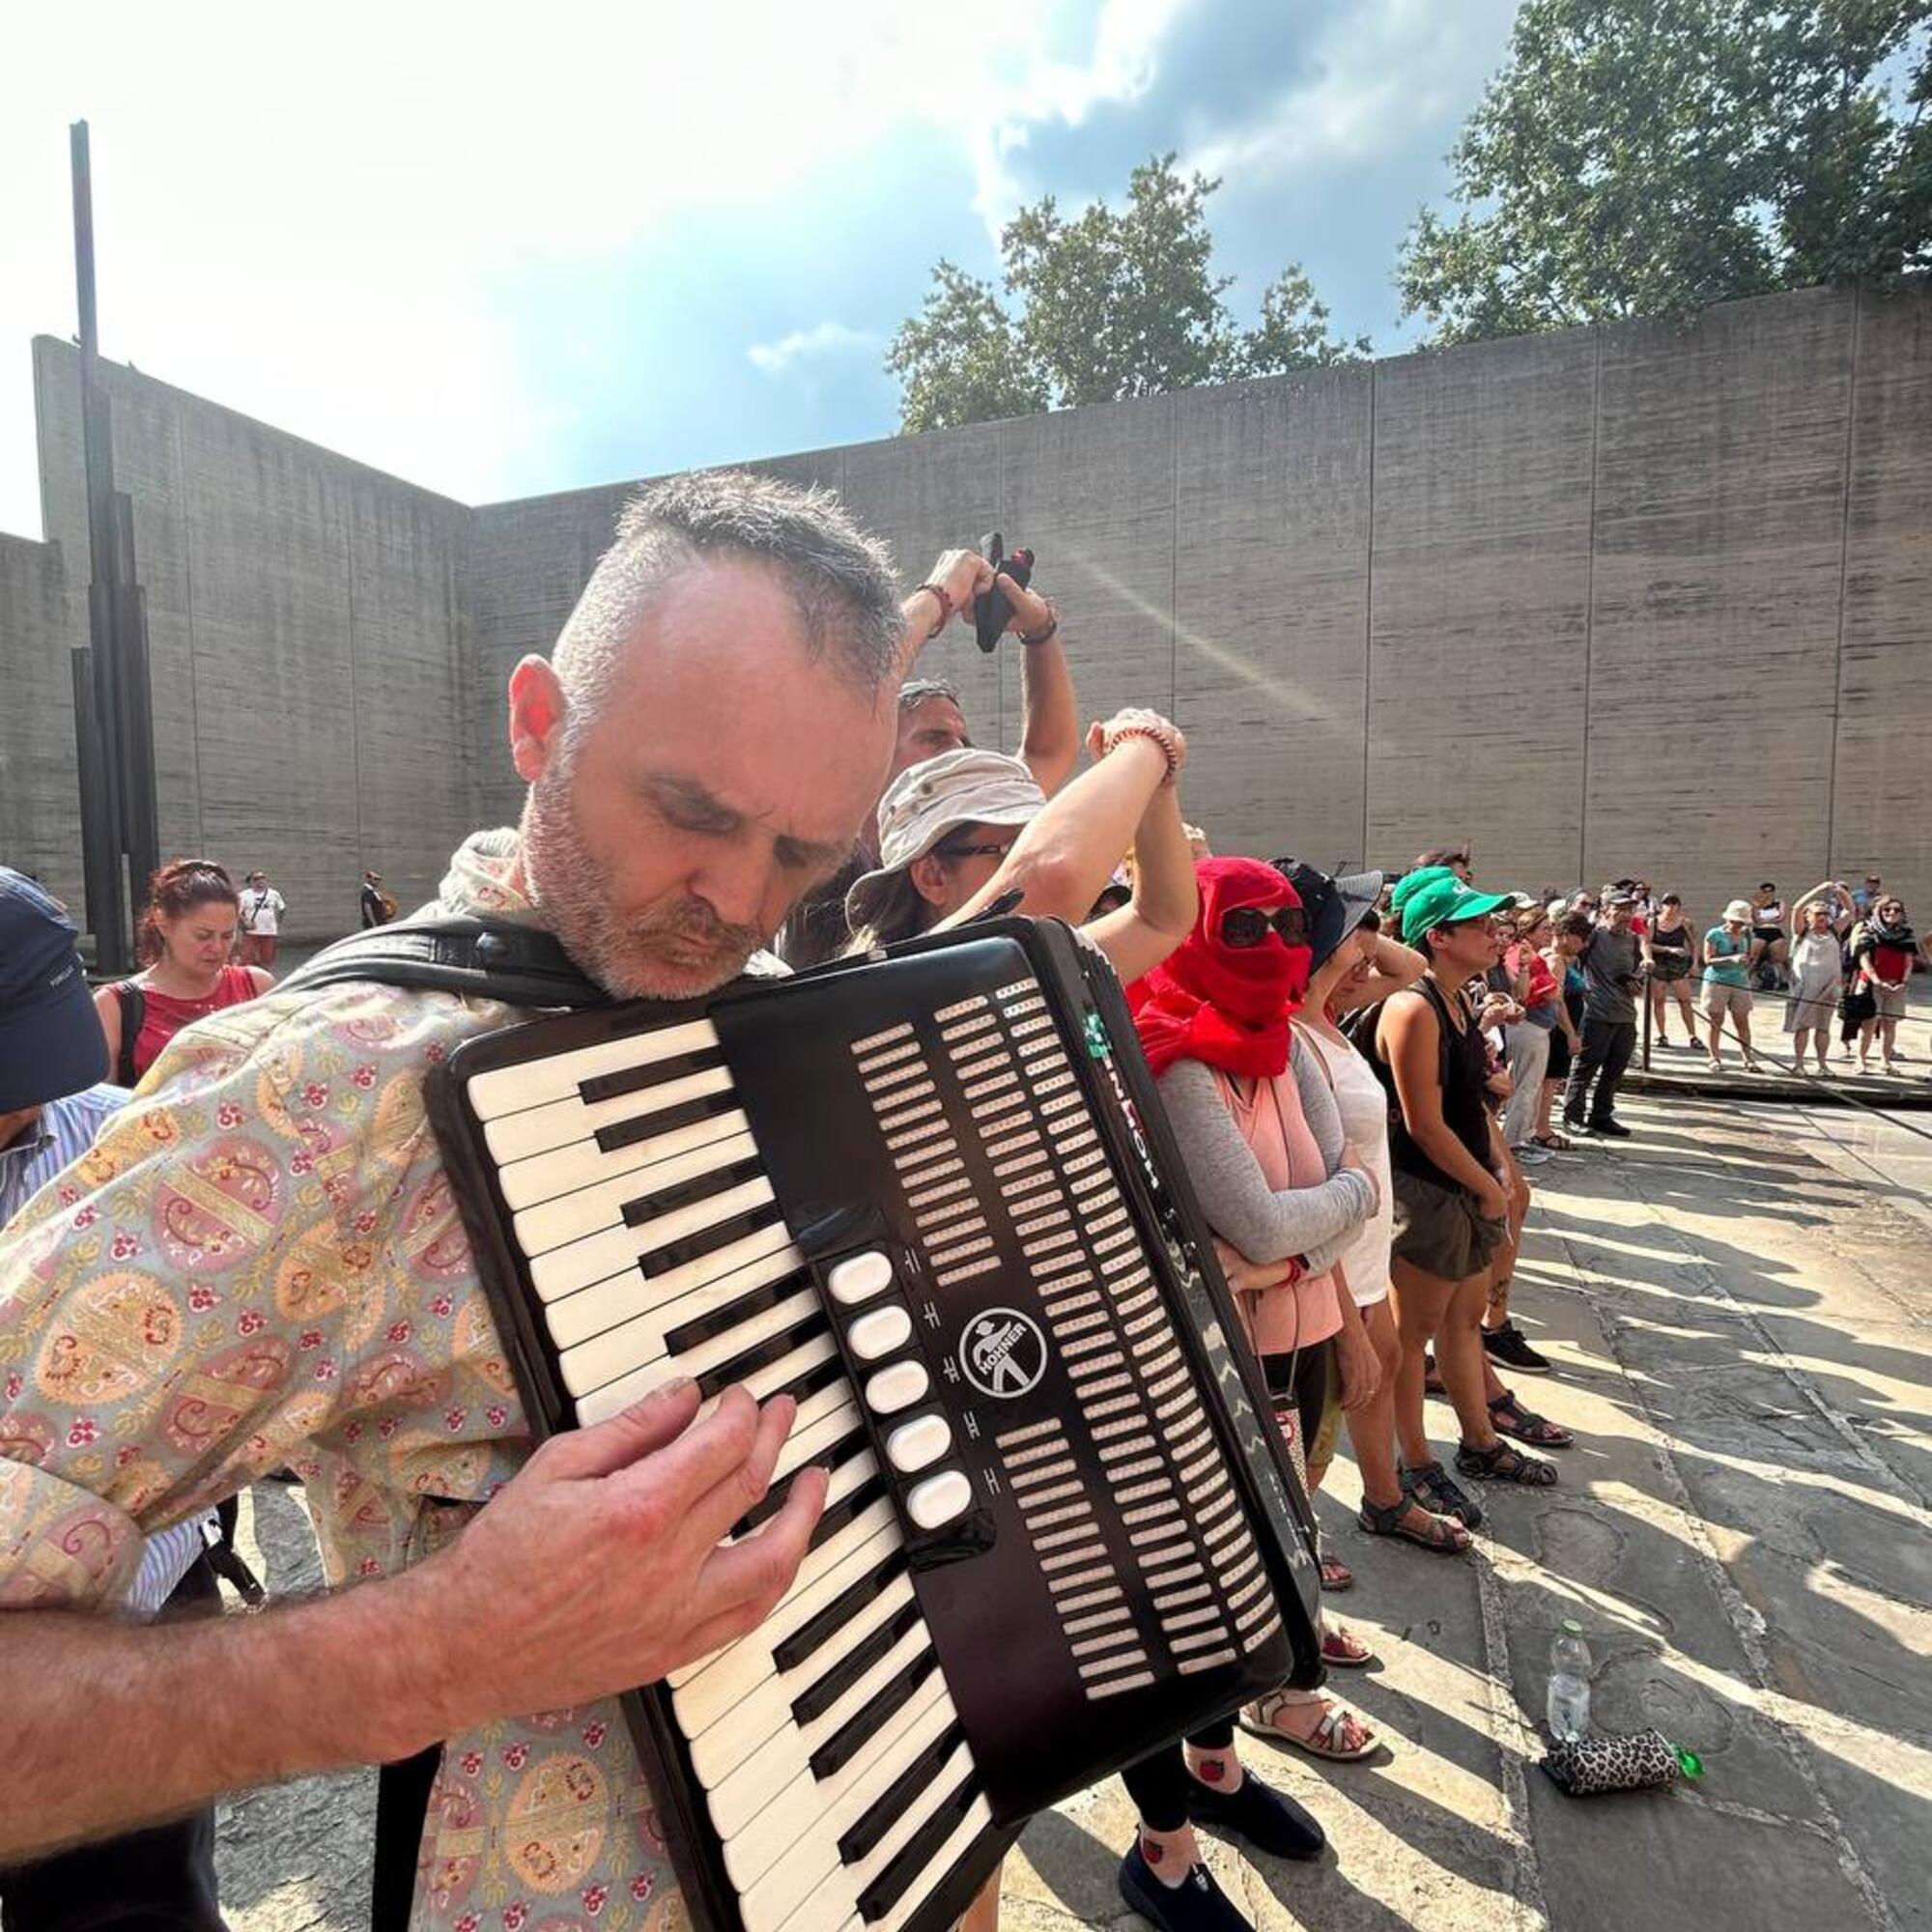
(64, 1132)
(166, 1557)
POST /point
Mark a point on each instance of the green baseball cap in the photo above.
(1409, 884)
(1445, 901)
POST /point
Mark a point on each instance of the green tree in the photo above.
(1643, 158)
(1100, 307)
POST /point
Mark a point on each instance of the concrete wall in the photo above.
(1645, 599)
(308, 650)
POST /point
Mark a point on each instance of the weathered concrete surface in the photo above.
(1741, 1332)
(1499, 593)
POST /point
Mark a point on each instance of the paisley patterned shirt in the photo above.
(260, 1263)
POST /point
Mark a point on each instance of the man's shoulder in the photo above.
(358, 1023)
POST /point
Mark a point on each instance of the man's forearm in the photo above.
(1050, 735)
(113, 1724)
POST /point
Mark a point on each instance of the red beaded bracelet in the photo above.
(1154, 736)
(944, 607)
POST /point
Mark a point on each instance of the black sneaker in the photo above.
(1197, 1904)
(1577, 1121)
(1266, 1818)
(1507, 1345)
(1615, 1129)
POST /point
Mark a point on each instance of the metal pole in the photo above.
(93, 670)
(118, 765)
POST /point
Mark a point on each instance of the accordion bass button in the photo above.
(860, 1277)
(913, 1444)
(896, 1386)
(938, 1499)
(880, 1333)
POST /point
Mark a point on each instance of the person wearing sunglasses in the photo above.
(1278, 1182)
(961, 832)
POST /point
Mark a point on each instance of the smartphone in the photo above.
(993, 609)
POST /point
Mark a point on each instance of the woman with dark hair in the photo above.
(962, 832)
(1883, 951)
(185, 937)
(1670, 951)
(1452, 1205)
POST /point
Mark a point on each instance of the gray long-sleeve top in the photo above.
(1252, 1218)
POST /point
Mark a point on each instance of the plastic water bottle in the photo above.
(1568, 1707)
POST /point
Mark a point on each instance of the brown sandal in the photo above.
(1446, 1535)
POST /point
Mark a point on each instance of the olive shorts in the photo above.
(1438, 1229)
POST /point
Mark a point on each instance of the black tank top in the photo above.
(1461, 1066)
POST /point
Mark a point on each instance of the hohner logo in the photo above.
(1003, 1352)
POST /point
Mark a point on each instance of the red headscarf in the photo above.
(1226, 1005)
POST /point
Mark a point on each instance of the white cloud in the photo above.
(808, 345)
(329, 228)
(349, 230)
(1391, 65)
(1126, 41)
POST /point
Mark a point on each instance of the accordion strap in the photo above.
(485, 958)
(490, 959)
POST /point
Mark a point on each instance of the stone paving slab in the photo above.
(1741, 1329)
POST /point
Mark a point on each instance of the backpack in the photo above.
(133, 1004)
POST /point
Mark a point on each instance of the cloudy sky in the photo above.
(505, 250)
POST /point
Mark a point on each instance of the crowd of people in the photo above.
(1360, 1071)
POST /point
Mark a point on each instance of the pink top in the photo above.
(1299, 1313)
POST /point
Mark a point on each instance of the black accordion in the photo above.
(931, 1194)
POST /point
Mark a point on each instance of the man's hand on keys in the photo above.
(601, 1565)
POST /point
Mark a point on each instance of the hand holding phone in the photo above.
(992, 610)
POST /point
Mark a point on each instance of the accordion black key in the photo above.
(932, 1195)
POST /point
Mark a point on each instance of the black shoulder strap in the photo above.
(133, 1004)
(490, 959)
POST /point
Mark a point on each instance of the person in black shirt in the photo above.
(1451, 1206)
(378, 907)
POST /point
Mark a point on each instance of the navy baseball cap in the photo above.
(50, 1039)
(1335, 906)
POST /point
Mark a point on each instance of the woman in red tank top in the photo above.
(186, 936)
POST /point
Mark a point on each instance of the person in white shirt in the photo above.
(262, 910)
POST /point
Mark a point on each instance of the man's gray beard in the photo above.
(561, 881)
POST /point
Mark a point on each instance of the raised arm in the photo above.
(1394, 967)
(1068, 853)
(1794, 921)
(1167, 897)
(1050, 723)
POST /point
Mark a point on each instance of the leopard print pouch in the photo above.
(1585, 1766)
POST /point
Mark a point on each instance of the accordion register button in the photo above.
(913, 1444)
(860, 1278)
(880, 1333)
(894, 1387)
(939, 1499)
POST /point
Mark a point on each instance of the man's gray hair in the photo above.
(841, 582)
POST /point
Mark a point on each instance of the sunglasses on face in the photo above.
(973, 851)
(1249, 925)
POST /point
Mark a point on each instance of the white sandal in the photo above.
(1257, 1718)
